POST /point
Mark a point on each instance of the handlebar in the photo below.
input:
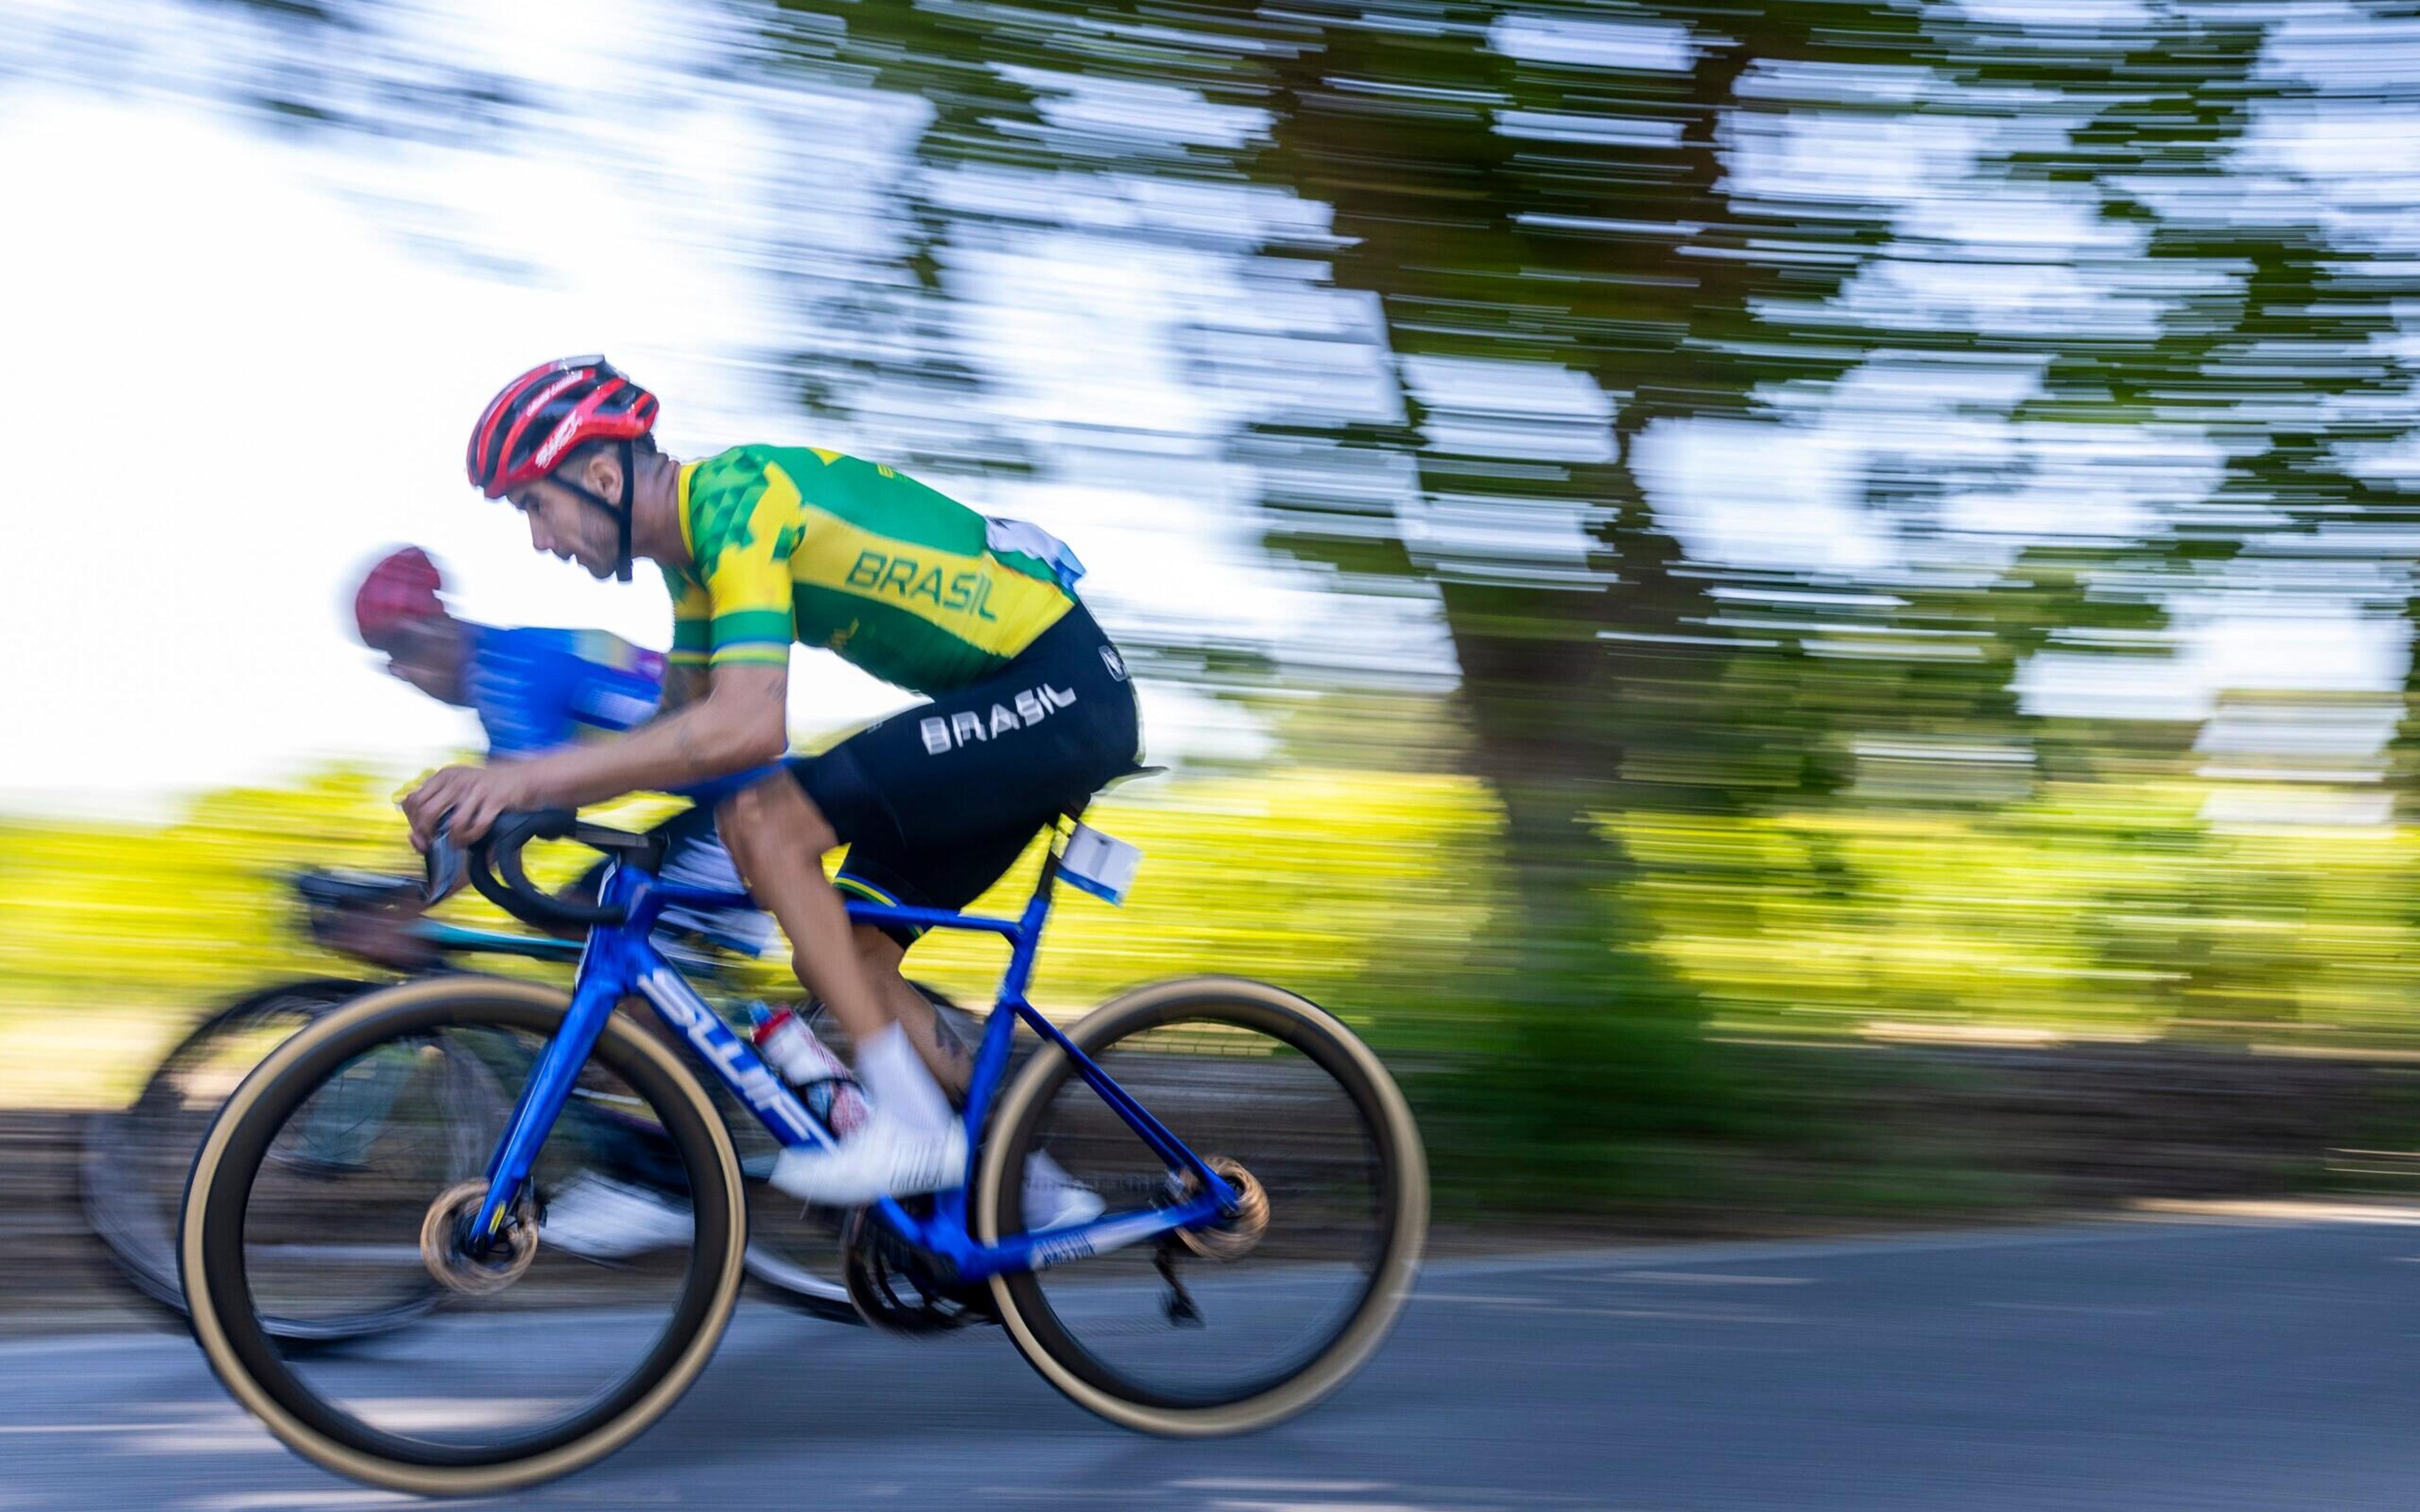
(494, 865)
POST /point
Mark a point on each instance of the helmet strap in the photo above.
(620, 512)
(629, 493)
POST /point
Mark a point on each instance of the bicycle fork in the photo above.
(541, 1102)
(612, 968)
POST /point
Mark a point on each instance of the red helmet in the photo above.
(401, 588)
(541, 416)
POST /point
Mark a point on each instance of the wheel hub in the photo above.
(444, 1246)
(1235, 1234)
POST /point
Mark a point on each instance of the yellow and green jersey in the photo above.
(811, 546)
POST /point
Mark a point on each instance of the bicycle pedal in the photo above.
(1178, 1305)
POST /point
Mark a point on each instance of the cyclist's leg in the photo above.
(935, 803)
(695, 857)
(952, 877)
(879, 870)
(953, 787)
(778, 835)
(910, 1142)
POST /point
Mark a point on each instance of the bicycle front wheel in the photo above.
(347, 1166)
(1249, 1319)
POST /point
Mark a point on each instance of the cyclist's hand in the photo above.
(475, 795)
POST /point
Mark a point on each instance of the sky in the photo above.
(288, 384)
(237, 391)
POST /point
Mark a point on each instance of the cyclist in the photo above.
(1028, 712)
(533, 689)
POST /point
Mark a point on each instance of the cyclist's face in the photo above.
(565, 525)
(425, 653)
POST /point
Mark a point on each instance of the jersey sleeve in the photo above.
(744, 525)
(692, 621)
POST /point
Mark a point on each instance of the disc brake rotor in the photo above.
(442, 1251)
(1237, 1233)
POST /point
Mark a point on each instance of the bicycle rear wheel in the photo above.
(1251, 1319)
(134, 1162)
(539, 1363)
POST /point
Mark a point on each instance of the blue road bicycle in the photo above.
(1265, 1188)
(136, 1161)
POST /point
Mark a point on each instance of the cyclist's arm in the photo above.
(733, 618)
(738, 724)
(687, 668)
(683, 686)
(689, 678)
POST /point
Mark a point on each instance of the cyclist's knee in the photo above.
(778, 810)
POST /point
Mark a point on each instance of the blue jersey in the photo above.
(535, 690)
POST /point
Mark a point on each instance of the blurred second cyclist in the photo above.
(535, 690)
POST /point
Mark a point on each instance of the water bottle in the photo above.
(822, 1079)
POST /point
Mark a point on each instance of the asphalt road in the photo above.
(2122, 1365)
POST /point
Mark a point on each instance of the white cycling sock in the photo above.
(898, 1084)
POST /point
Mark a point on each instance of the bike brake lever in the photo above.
(446, 864)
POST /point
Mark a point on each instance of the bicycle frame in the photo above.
(621, 959)
(455, 939)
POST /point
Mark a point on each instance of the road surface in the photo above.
(2128, 1365)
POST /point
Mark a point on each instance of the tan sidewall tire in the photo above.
(451, 1480)
(1399, 1268)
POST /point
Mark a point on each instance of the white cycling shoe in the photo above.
(886, 1158)
(599, 1219)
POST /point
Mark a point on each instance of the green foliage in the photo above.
(1549, 1068)
(1311, 879)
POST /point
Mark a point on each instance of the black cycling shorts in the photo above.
(936, 801)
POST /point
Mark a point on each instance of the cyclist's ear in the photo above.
(600, 472)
